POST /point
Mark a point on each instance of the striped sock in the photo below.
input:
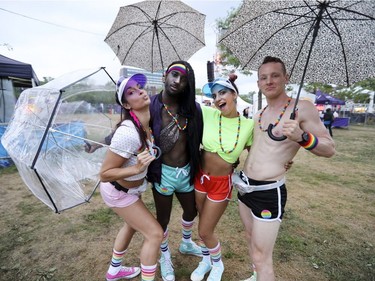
(206, 254)
(187, 229)
(148, 272)
(116, 260)
(164, 245)
(216, 255)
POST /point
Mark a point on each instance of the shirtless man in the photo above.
(262, 209)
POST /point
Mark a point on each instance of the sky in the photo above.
(58, 37)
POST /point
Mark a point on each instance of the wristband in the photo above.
(311, 143)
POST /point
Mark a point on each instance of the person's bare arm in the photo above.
(112, 169)
(307, 120)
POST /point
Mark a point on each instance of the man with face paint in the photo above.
(176, 121)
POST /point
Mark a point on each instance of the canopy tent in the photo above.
(12, 74)
(20, 73)
(322, 98)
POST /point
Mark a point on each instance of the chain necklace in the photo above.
(175, 118)
(278, 119)
(238, 134)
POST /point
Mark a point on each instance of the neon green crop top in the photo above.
(229, 128)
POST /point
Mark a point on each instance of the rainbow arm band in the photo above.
(311, 143)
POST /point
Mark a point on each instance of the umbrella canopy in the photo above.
(48, 131)
(322, 98)
(327, 41)
(341, 35)
(149, 34)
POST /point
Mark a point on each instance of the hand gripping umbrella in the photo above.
(149, 33)
(328, 41)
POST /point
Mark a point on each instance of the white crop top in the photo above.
(126, 142)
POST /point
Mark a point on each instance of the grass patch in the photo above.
(327, 232)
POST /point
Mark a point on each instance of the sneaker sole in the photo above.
(168, 279)
(196, 278)
(190, 253)
(127, 277)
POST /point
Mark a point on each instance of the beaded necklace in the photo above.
(175, 118)
(238, 134)
(278, 119)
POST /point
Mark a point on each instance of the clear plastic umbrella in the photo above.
(46, 136)
(149, 34)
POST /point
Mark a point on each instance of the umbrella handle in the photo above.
(157, 151)
(271, 126)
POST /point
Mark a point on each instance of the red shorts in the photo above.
(217, 188)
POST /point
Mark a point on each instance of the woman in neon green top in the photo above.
(225, 135)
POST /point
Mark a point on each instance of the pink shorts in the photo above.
(114, 198)
(217, 188)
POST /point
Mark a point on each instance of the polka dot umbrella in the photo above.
(327, 41)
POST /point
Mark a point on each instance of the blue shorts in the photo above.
(174, 179)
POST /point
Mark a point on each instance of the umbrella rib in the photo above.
(315, 34)
(140, 23)
(342, 47)
(165, 35)
(182, 29)
(304, 41)
(155, 31)
(367, 17)
(166, 18)
(157, 28)
(287, 25)
(132, 44)
(278, 11)
(301, 48)
(133, 23)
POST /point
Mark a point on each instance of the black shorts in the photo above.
(266, 205)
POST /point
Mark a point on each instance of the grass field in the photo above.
(327, 232)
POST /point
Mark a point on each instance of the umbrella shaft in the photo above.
(315, 34)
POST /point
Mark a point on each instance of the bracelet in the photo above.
(311, 143)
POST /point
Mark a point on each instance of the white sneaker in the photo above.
(216, 273)
(199, 273)
(190, 248)
(166, 268)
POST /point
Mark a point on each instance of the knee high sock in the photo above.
(216, 255)
(148, 272)
(206, 254)
(164, 246)
(116, 260)
(187, 229)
